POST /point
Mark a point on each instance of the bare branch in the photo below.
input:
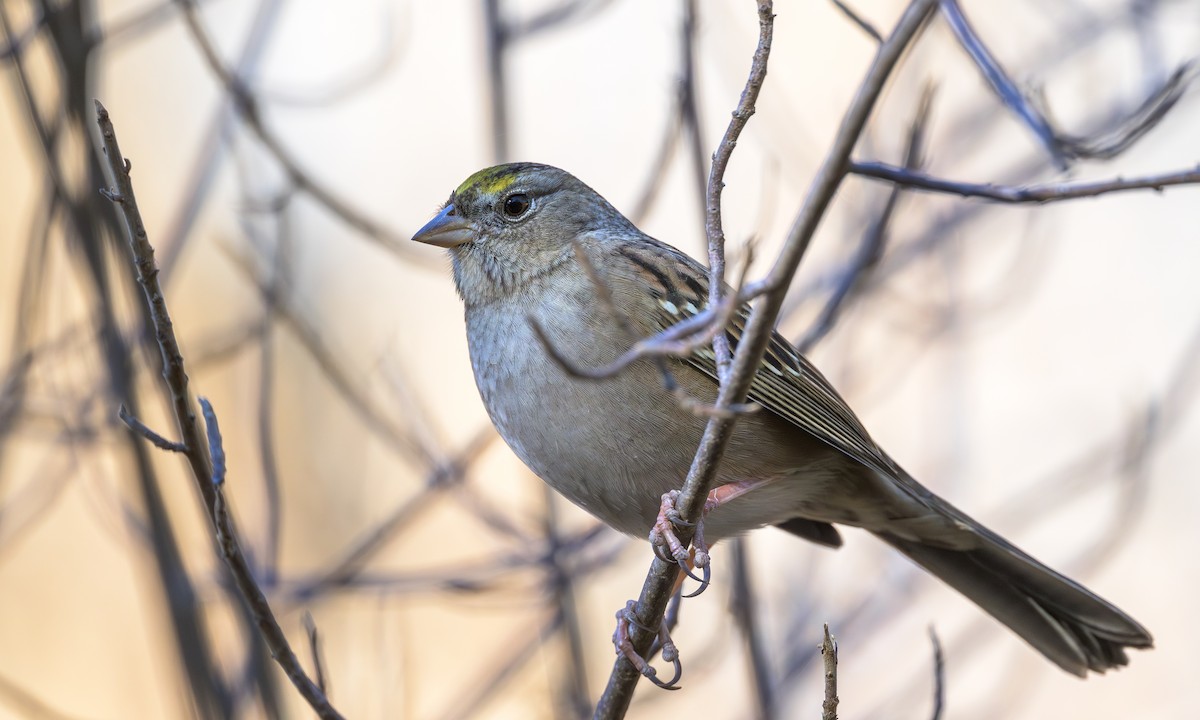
(1052, 192)
(657, 589)
(714, 228)
(207, 469)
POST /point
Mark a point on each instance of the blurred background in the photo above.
(1037, 364)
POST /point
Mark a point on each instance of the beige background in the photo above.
(1036, 336)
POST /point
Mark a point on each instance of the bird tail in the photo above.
(1072, 626)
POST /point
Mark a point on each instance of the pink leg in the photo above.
(624, 646)
(663, 535)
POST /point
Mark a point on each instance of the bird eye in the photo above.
(516, 205)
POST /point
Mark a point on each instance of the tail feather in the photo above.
(1072, 626)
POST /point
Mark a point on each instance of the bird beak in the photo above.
(446, 230)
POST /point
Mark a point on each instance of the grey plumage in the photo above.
(615, 446)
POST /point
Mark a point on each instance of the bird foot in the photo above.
(626, 618)
(666, 544)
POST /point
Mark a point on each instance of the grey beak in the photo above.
(445, 230)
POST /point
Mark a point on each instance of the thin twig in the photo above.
(554, 17)
(140, 428)
(714, 229)
(829, 658)
(659, 581)
(243, 578)
(680, 340)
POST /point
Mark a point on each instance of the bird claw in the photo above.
(624, 646)
(668, 548)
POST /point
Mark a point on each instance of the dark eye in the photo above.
(516, 205)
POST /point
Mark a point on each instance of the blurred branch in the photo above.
(248, 107)
(89, 226)
(525, 643)
(939, 676)
(27, 704)
(855, 275)
(16, 43)
(555, 16)
(350, 564)
(688, 100)
(213, 149)
(661, 162)
(495, 41)
(499, 34)
(745, 615)
(1051, 192)
(374, 419)
(208, 470)
(858, 20)
(1062, 148)
(561, 581)
(355, 80)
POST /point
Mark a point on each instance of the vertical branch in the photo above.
(939, 676)
(562, 586)
(744, 615)
(829, 661)
(688, 100)
(495, 41)
(659, 584)
(661, 577)
(208, 468)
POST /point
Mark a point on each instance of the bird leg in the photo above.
(666, 544)
(624, 645)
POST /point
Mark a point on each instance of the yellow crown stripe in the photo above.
(488, 181)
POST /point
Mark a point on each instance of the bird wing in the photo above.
(786, 383)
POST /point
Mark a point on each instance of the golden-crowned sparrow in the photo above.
(615, 446)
